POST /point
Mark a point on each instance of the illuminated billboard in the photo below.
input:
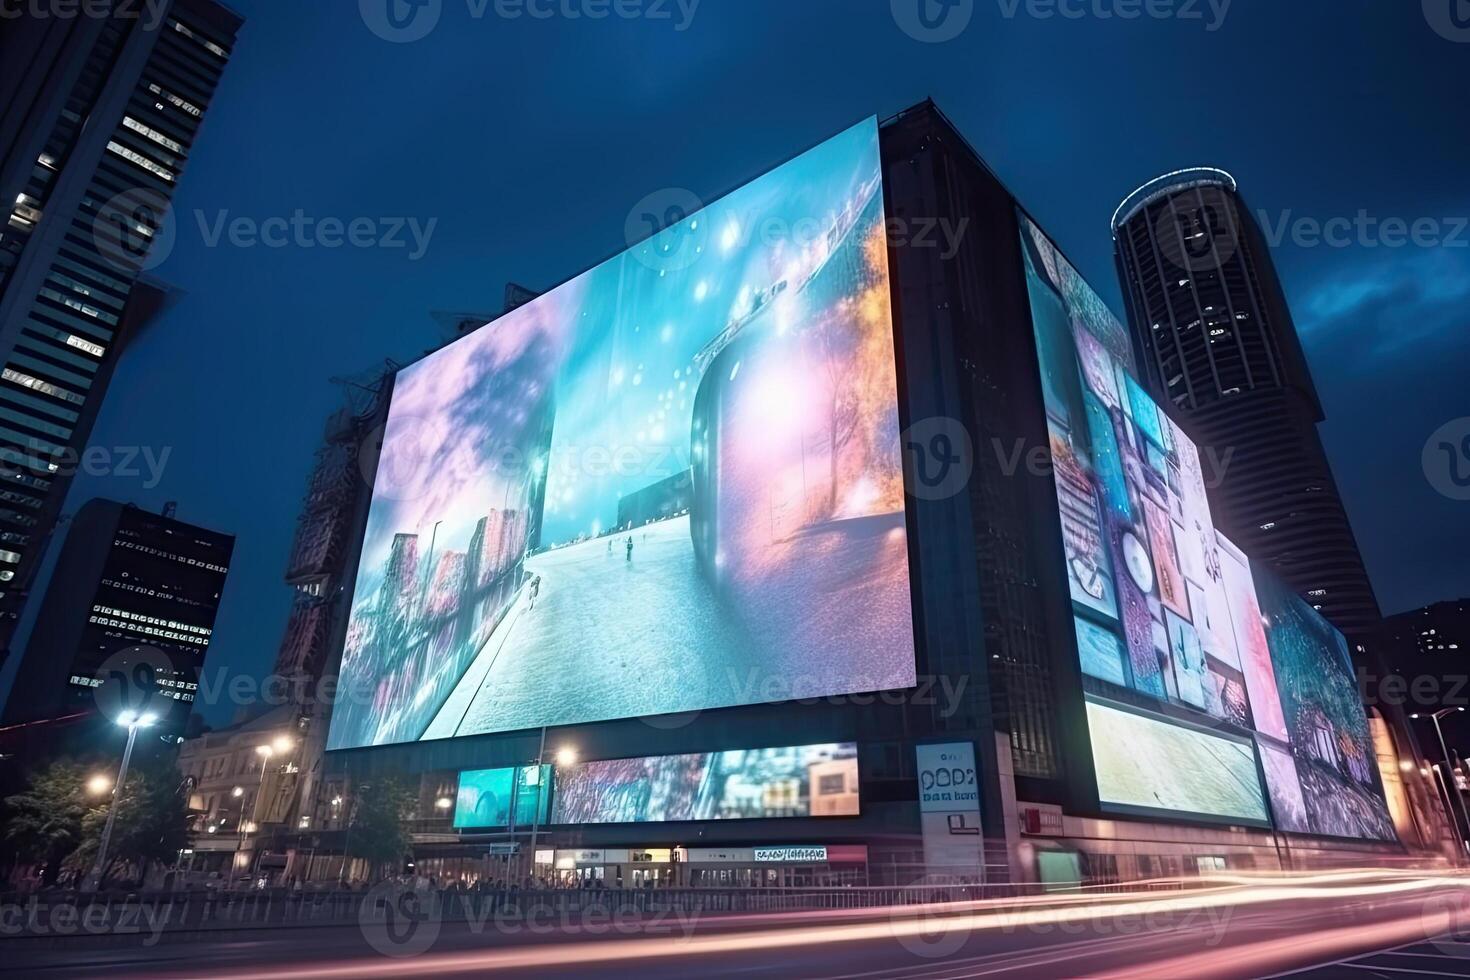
(672, 483)
(1148, 763)
(801, 781)
(1167, 607)
(505, 797)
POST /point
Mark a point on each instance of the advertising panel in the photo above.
(490, 797)
(1147, 763)
(1166, 607)
(949, 807)
(801, 781)
(672, 483)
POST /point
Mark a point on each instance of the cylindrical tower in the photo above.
(1214, 337)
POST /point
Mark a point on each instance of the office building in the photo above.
(99, 113)
(131, 590)
(1216, 341)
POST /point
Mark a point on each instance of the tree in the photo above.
(152, 820)
(377, 832)
(44, 823)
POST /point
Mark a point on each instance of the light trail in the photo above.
(901, 922)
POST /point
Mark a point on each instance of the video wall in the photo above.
(801, 781)
(672, 483)
(506, 797)
(1166, 607)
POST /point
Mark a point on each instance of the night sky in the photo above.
(530, 141)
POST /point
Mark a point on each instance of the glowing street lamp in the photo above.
(99, 784)
(132, 721)
(1452, 786)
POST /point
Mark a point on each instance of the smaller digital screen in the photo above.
(801, 781)
(489, 797)
(1150, 764)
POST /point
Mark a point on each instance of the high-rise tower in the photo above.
(1215, 337)
(99, 111)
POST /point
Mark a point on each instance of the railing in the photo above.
(68, 914)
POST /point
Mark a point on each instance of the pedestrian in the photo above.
(630, 549)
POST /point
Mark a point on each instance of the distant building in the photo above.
(1215, 338)
(659, 501)
(126, 579)
(98, 116)
(1428, 648)
(243, 782)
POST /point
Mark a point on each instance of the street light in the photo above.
(1450, 782)
(99, 784)
(246, 828)
(132, 721)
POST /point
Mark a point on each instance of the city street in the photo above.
(1256, 930)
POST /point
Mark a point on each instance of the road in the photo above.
(1262, 928)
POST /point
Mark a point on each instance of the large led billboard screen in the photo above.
(1165, 607)
(672, 483)
(801, 781)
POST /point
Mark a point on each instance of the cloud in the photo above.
(1404, 303)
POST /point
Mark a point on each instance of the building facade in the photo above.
(1215, 340)
(98, 116)
(1092, 701)
(131, 591)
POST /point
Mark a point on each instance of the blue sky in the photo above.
(527, 142)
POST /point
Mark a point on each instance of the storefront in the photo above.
(785, 866)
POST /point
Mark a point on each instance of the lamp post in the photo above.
(565, 756)
(1451, 786)
(133, 722)
(280, 744)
